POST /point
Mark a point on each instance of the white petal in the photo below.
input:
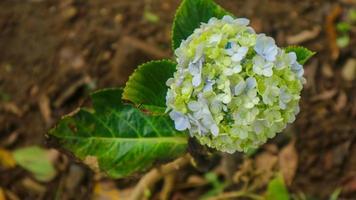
(198, 53)
(271, 53)
(228, 19)
(214, 130)
(292, 57)
(237, 68)
(250, 83)
(229, 52)
(236, 57)
(226, 99)
(208, 86)
(174, 115)
(216, 38)
(296, 66)
(181, 124)
(268, 72)
(239, 88)
(196, 80)
(228, 72)
(194, 106)
(243, 134)
(258, 127)
(282, 105)
(216, 107)
(212, 20)
(193, 68)
(170, 81)
(242, 21)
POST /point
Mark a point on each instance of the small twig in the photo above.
(45, 108)
(304, 36)
(331, 31)
(149, 49)
(167, 187)
(153, 176)
(230, 195)
(11, 108)
(71, 90)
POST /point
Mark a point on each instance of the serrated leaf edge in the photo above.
(132, 76)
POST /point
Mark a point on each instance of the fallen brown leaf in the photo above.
(349, 70)
(325, 95)
(265, 164)
(327, 71)
(75, 176)
(6, 159)
(11, 107)
(92, 162)
(33, 186)
(106, 190)
(304, 36)
(44, 105)
(288, 162)
(341, 101)
(2, 194)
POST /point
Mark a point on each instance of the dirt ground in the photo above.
(54, 53)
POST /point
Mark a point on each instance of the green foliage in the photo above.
(351, 15)
(150, 16)
(35, 160)
(343, 27)
(343, 41)
(190, 15)
(217, 185)
(118, 139)
(335, 195)
(147, 85)
(276, 189)
(303, 54)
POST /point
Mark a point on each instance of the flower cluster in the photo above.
(233, 88)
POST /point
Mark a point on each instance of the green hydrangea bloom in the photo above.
(233, 88)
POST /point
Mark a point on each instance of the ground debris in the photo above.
(288, 162)
(349, 70)
(324, 95)
(304, 36)
(331, 31)
(44, 105)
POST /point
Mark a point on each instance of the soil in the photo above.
(54, 53)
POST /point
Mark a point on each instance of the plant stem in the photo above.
(230, 195)
(153, 176)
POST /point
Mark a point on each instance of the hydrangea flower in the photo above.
(233, 88)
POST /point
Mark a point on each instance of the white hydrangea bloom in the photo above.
(233, 88)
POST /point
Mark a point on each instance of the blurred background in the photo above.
(53, 53)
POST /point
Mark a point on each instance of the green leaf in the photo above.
(35, 160)
(276, 189)
(147, 85)
(217, 186)
(150, 16)
(335, 195)
(118, 139)
(189, 16)
(303, 54)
